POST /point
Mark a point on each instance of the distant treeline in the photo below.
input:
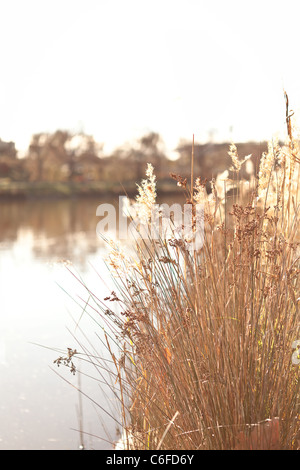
(65, 157)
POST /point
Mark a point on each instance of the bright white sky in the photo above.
(120, 68)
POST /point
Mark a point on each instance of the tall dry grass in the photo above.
(201, 341)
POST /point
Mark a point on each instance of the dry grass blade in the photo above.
(167, 429)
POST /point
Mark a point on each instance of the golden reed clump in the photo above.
(204, 337)
(210, 332)
(221, 321)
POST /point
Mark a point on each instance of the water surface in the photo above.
(38, 409)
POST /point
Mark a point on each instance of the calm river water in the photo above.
(38, 314)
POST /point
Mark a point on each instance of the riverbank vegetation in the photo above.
(63, 165)
(201, 340)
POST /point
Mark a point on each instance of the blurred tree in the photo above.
(84, 157)
(152, 148)
(148, 149)
(9, 164)
(61, 156)
(46, 155)
(8, 149)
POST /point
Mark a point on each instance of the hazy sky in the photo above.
(120, 68)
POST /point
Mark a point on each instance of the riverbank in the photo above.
(59, 190)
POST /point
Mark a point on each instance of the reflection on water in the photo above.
(37, 408)
(63, 229)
